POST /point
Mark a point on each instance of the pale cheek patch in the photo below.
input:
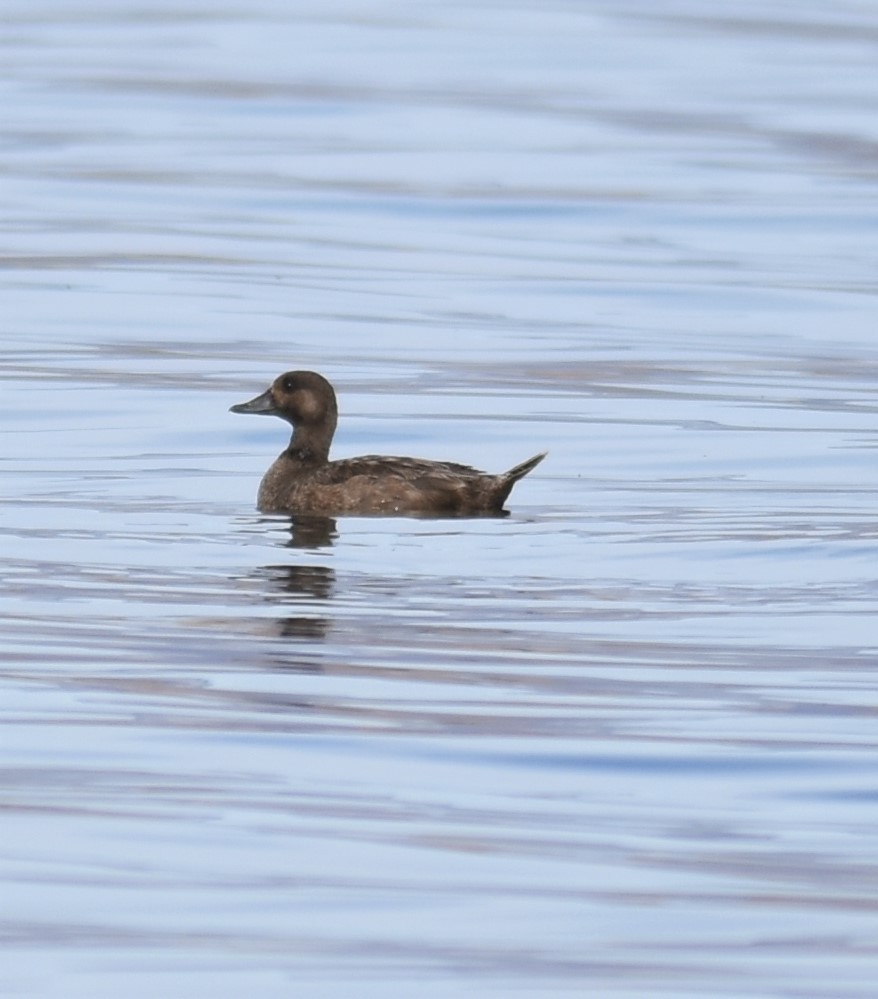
(307, 405)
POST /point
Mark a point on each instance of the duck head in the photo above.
(299, 397)
(304, 399)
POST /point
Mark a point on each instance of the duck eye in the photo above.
(289, 384)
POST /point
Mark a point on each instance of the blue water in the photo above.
(620, 743)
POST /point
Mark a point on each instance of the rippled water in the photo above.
(622, 742)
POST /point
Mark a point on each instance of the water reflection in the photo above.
(295, 582)
(312, 532)
(301, 587)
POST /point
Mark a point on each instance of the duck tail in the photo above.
(519, 471)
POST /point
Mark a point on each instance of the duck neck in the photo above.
(309, 445)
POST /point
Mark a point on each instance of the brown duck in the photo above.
(304, 481)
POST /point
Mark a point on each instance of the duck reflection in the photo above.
(312, 532)
(299, 585)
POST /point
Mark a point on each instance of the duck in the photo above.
(303, 480)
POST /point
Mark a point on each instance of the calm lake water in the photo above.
(621, 743)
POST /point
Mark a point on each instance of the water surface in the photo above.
(619, 743)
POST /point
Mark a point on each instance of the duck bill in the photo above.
(264, 404)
